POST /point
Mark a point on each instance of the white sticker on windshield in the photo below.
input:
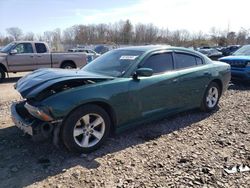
(128, 57)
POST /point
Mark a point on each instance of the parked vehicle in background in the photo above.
(229, 50)
(212, 53)
(101, 49)
(91, 54)
(29, 55)
(120, 89)
(240, 63)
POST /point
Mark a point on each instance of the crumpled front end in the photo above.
(35, 117)
(27, 121)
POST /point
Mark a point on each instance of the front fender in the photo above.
(114, 94)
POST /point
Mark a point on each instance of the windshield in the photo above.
(7, 47)
(244, 50)
(114, 63)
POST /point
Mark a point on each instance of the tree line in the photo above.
(125, 33)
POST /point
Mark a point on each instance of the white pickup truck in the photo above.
(23, 56)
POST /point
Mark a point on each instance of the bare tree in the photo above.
(126, 32)
(231, 37)
(29, 36)
(15, 32)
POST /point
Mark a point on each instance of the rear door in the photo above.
(42, 56)
(23, 60)
(192, 80)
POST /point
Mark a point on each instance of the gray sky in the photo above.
(194, 15)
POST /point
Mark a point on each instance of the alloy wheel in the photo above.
(212, 97)
(89, 130)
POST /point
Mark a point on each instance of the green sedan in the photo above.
(120, 89)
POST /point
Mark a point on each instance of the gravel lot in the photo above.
(190, 149)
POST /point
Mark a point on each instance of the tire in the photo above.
(2, 74)
(211, 97)
(68, 65)
(80, 134)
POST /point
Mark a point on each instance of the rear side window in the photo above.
(186, 60)
(40, 48)
(159, 63)
(199, 61)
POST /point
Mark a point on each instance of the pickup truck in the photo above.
(21, 56)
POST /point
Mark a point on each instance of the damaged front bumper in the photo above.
(29, 124)
(26, 125)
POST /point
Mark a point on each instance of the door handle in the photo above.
(39, 56)
(175, 80)
(31, 56)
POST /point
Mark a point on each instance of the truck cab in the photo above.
(31, 55)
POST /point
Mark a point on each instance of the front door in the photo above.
(23, 60)
(155, 94)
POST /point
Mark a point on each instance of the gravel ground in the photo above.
(190, 149)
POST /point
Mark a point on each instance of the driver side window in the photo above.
(159, 63)
(24, 48)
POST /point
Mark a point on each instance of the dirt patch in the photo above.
(187, 150)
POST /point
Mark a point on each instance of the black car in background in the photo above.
(212, 53)
(229, 50)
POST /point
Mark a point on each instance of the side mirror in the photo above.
(12, 52)
(144, 72)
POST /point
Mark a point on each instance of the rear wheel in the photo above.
(86, 128)
(211, 97)
(2, 74)
(68, 65)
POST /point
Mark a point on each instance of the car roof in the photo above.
(149, 48)
(27, 41)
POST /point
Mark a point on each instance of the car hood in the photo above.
(37, 81)
(235, 58)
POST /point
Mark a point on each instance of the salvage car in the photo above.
(122, 88)
(240, 64)
(20, 56)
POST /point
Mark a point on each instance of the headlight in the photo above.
(248, 63)
(38, 113)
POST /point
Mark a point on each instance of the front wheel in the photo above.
(2, 74)
(211, 97)
(86, 128)
(68, 65)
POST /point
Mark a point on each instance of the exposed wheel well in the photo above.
(3, 68)
(219, 82)
(107, 108)
(68, 62)
(110, 112)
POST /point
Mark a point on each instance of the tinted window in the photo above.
(24, 48)
(198, 61)
(159, 62)
(40, 48)
(184, 60)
